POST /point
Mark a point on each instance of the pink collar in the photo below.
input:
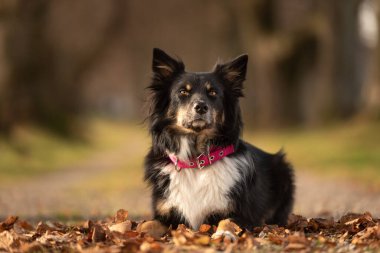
(203, 160)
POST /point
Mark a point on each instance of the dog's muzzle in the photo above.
(196, 116)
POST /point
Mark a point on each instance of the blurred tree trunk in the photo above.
(48, 58)
(6, 11)
(32, 92)
(350, 61)
(309, 64)
(287, 60)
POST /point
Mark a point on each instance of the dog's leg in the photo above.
(281, 214)
(285, 192)
(226, 230)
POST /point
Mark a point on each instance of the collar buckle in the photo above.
(201, 163)
(176, 167)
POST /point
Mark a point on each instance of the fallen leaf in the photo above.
(25, 225)
(297, 237)
(130, 246)
(228, 225)
(202, 240)
(368, 233)
(276, 239)
(343, 237)
(8, 223)
(131, 234)
(42, 227)
(204, 228)
(32, 247)
(297, 222)
(98, 233)
(315, 224)
(121, 227)
(52, 238)
(155, 246)
(87, 225)
(153, 228)
(121, 216)
(8, 240)
(261, 241)
(150, 247)
(325, 223)
(351, 218)
(178, 238)
(145, 247)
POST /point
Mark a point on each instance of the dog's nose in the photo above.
(200, 107)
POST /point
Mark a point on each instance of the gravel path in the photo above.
(317, 196)
(57, 194)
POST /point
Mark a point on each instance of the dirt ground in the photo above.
(64, 193)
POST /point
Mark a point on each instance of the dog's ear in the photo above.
(164, 66)
(233, 73)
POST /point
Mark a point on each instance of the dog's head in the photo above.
(196, 103)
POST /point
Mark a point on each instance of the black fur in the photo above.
(265, 193)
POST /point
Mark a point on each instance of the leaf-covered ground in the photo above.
(350, 233)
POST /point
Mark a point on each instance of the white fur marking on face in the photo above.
(184, 152)
(181, 114)
(199, 193)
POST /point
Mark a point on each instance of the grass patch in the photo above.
(31, 152)
(351, 150)
(129, 174)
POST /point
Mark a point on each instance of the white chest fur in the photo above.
(198, 193)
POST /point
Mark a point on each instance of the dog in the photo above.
(198, 168)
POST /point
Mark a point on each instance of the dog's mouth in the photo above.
(199, 125)
(194, 122)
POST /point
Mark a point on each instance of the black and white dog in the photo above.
(199, 170)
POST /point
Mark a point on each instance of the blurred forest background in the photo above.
(313, 64)
(310, 61)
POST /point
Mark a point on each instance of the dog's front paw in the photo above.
(226, 236)
(226, 231)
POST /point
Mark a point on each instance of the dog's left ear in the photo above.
(233, 73)
(164, 66)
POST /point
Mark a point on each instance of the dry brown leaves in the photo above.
(351, 233)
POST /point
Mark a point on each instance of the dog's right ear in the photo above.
(165, 67)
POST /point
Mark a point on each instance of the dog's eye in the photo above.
(212, 93)
(183, 92)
